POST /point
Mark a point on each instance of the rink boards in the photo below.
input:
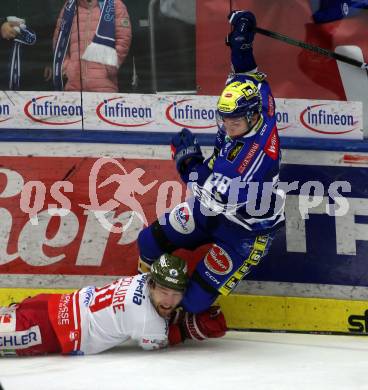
(314, 279)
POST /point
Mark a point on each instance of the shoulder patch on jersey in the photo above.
(259, 76)
(272, 145)
(271, 106)
(247, 159)
(181, 219)
(234, 151)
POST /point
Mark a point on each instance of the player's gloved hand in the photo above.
(209, 324)
(242, 35)
(185, 147)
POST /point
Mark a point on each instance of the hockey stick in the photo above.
(315, 49)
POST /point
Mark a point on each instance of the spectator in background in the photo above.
(35, 57)
(89, 59)
(15, 29)
(8, 30)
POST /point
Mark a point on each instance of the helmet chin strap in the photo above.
(249, 123)
(252, 120)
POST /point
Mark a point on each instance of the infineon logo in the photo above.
(184, 115)
(324, 119)
(282, 119)
(4, 112)
(46, 110)
(121, 114)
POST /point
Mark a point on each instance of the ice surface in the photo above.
(241, 360)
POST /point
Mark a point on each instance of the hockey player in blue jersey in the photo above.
(236, 206)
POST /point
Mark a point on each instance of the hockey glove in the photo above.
(242, 34)
(185, 147)
(208, 324)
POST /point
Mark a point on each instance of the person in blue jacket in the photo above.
(237, 206)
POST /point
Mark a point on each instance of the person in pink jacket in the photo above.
(99, 72)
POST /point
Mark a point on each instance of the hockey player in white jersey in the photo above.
(92, 320)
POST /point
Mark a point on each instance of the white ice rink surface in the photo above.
(241, 360)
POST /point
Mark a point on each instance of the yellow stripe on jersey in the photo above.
(259, 247)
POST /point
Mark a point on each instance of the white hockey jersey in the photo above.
(93, 319)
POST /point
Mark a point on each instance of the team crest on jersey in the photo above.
(272, 145)
(234, 152)
(181, 219)
(218, 261)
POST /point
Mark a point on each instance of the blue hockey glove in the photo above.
(184, 146)
(242, 35)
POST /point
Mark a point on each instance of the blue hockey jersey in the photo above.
(240, 180)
